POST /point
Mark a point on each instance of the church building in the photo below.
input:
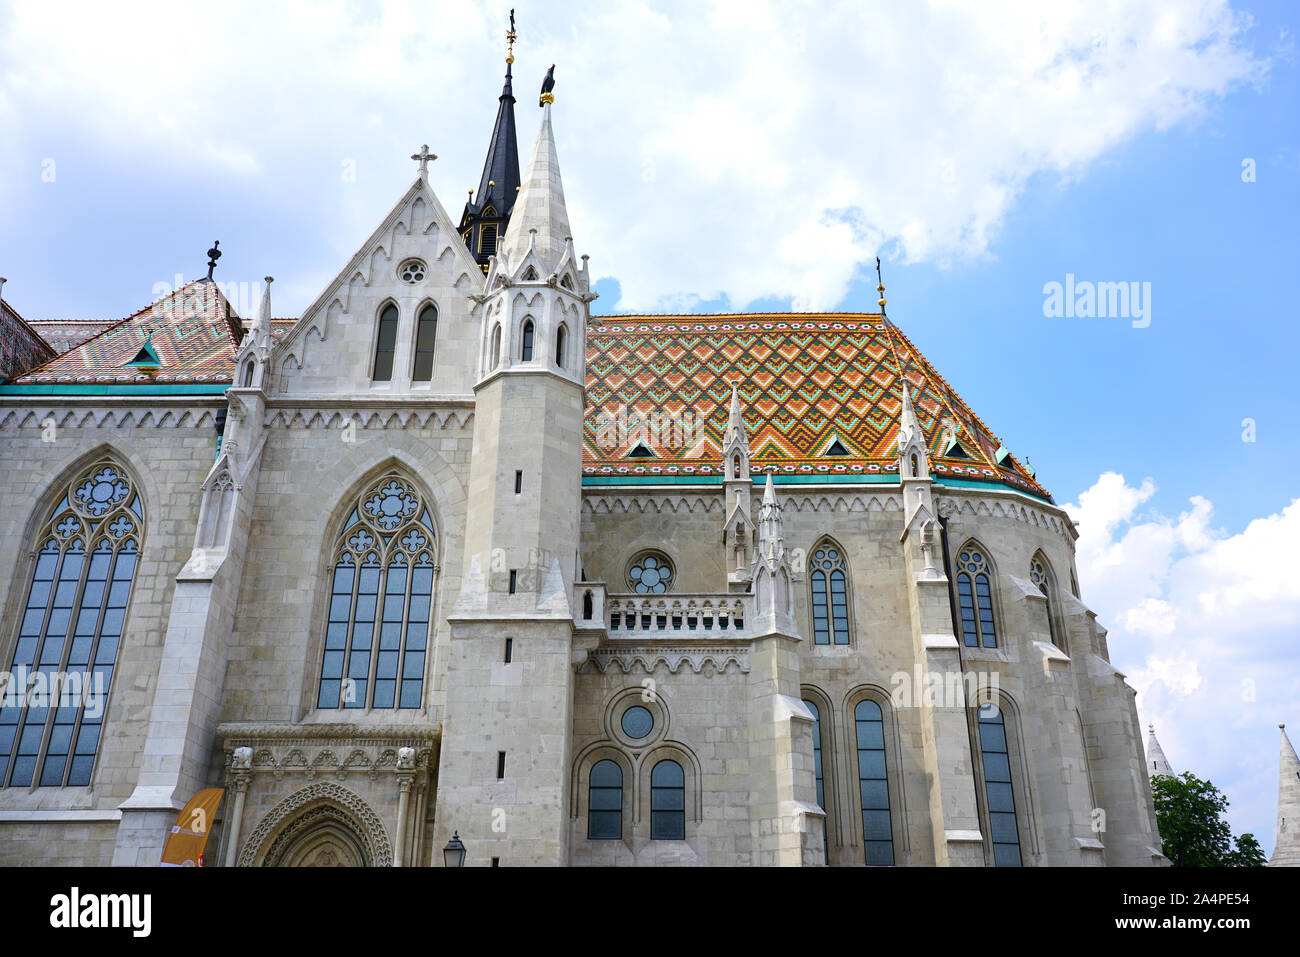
(450, 560)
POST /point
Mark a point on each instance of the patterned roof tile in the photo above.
(805, 380)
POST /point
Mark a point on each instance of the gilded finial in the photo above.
(511, 36)
(881, 287)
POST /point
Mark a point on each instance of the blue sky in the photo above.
(758, 157)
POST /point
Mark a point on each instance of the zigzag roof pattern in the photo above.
(194, 331)
(806, 381)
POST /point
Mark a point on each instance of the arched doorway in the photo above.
(321, 825)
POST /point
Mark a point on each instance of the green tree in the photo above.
(1189, 814)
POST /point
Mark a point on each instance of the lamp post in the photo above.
(453, 855)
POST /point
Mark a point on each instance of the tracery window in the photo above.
(70, 631)
(975, 596)
(650, 573)
(873, 783)
(380, 602)
(1042, 577)
(667, 802)
(426, 332)
(830, 600)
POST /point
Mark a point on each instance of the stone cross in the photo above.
(424, 156)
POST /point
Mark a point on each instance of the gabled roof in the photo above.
(805, 380)
(194, 332)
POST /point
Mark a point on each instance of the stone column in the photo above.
(241, 775)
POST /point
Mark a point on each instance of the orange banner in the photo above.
(189, 834)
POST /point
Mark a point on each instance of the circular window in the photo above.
(637, 722)
(650, 574)
(411, 271)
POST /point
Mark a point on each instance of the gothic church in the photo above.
(450, 559)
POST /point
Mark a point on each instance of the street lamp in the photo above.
(453, 855)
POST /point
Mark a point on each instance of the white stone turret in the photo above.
(738, 532)
(1286, 851)
(1157, 763)
(255, 349)
(914, 476)
(537, 293)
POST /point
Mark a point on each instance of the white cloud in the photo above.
(743, 150)
(1206, 625)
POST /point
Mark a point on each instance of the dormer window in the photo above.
(837, 448)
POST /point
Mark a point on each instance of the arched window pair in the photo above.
(426, 332)
(828, 579)
(667, 801)
(873, 779)
(381, 594)
(71, 627)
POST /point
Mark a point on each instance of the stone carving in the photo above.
(365, 823)
(243, 759)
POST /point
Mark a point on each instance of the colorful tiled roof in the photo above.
(821, 395)
(21, 347)
(64, 334)
(194, 331)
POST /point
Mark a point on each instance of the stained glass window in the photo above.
(975, 597)
(70, 631)
(830, 599)
(381, 594)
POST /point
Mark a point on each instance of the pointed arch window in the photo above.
(1040, 574)
(526, 351)
(426, 333)
(975, 597)
(561, 334)
(385, 344)
(828, 578)
(605, 802)
(248, 373)
(496, 345)
(667, 802)
(381, 594)
(873, 783)
(487, 239)
(1004, 833)
(70, 631)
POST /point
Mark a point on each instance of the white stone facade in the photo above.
(218, 673)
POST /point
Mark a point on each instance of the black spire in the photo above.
(488, 211)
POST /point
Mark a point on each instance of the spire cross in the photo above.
(424, 156)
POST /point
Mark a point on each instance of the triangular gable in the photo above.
(382, 237)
